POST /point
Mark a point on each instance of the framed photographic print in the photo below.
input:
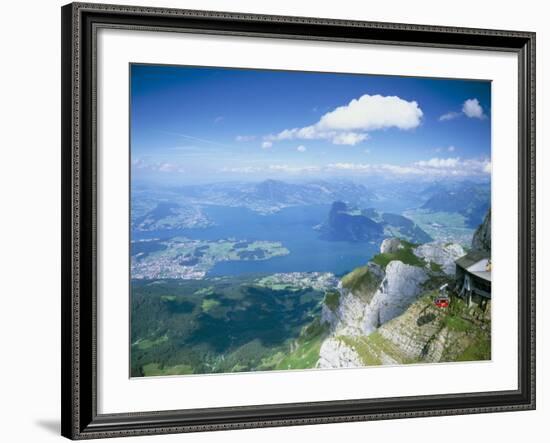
(274, 221)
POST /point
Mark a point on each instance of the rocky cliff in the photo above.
(384, 312)
(482, 237)
(442, 255)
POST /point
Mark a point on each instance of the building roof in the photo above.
(485, 275)
(471, 258)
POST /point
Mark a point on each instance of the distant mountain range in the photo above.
(180, 207)
(271, 196)
(469, 199)
(354, 225)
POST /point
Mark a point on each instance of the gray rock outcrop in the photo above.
(398, 290)
(444, 254)
(390, 245)
(336, 354)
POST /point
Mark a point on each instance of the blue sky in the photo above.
(194, 124)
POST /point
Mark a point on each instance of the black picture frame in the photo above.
(80, 419)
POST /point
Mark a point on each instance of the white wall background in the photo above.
(30, 220)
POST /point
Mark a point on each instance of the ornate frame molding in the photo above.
(79, 391)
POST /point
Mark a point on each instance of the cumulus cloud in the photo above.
(276, 168)
(349, 166)
(434, 167)
(453, 166)
(267, 144)
(380, 169)
(294, 169)
(301, 148)
(372, 112)
(350, 124)
(471, 108)
(439, 162)
(245, 138)
(313, 133)
(349, 138)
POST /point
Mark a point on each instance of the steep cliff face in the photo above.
(482, 237)
(355, 294)
(399, 288)
(385, 313)
(372, 296)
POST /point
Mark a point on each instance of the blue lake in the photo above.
(293, 227)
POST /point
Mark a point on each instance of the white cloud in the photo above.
(293, 169)
(306, 133)
(301, 148)
(312, 133)
(349, 138)
(350, 166)
(434, 167)
(372, 112)
(267, 144)
(440, 167)
(451, 149)
(156, 167)
(245, 138)
(471, 108)
(454, 166)
(349, 124)
(277, 168)
(243, 169)
(449, 116)
(168, 167)
(373, 168)
(439, 163)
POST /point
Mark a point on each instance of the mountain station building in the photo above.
(473, 277)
